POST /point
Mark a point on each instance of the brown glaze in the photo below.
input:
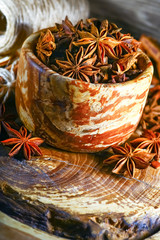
(75, 115)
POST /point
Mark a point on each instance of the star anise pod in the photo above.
(98, 41)
(126, 42)
(151, 114)
(129, 158)
(45, 46)
(155, 164)
(155, 92)
(69, 32)
(103, 75)
(124, 64)
(119, 78)
(150, 141)
(20, 139)
(78, 67)
(113, 28)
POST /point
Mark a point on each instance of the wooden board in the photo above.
(74, 196)
(12, 229)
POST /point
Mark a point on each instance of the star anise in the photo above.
(20, 139)
(119, 78)
(124, 64)
(154, 92)
(151, 114)
(150, 141)
(71, 31)
(126, 42)
(94, 51)
(98, 41)
(78, 67)
(103, 75)
(155, 164)
(129, 158)
(45, 46)
(113, 28)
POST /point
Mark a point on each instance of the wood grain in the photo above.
(154, 237)
(73, 195)
(12, 229)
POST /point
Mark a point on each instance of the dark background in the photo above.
(135, 16)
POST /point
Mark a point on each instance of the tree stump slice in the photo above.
(154, 237)
(12, 229)
(73, 195)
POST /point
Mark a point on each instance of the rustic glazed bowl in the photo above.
(75, 115)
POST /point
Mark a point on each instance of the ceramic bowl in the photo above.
(74, 115)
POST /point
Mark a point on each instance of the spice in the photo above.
(93, 51)
(78, 67)
(150, 141)
(98, 41)
(20, 139)
(155, 164)
(151, 114)
(129, 158)
(45, 45)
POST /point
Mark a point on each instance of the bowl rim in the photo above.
(37, 62)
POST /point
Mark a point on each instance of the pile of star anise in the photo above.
(144, 149)
(93, 51)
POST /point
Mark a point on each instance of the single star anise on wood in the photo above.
(20, 139)
(78, 67)
(45, 45)
(150, 141)
(98, 41)
(129, 158)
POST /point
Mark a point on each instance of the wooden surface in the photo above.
(12, 229)
(73, 196)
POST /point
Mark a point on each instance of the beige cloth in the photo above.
(26, 16)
